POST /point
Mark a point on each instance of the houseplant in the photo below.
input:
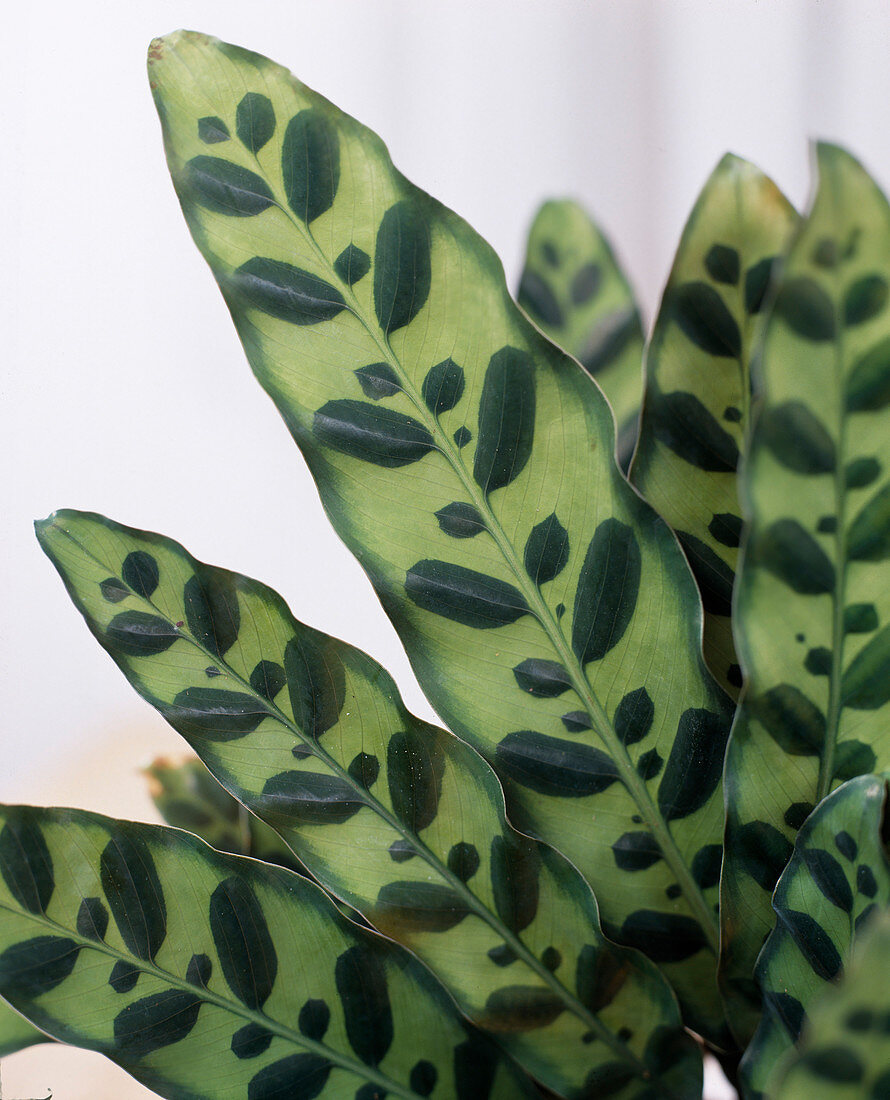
(550, 616)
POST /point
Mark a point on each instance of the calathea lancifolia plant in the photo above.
(569, 893)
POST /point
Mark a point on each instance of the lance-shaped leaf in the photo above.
(312, 736)
(813, 606)
(838, 876)
(510, 427)
(16, 1032)
(698, 385)
(188, 797)
(574, 290)
(844, 1053)
(255, 986)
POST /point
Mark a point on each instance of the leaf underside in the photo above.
(428, 409)
(698, 383)
(574, 290)
(836, 880)
(190, 969)
(813, 603)
(312, 737)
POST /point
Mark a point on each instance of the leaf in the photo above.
(811, 609)
(698, 382)
(334, 762)
(846, 1045)
(527, 438)
(573, 288)
(16, 1033)
(839, 873)
(190, 1022)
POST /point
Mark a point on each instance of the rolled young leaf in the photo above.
(698, 382)
(212, 976)
(574, 290)
(845, 1050)
(311, 735)
(837, 878)
(428, 407)
(813, 604)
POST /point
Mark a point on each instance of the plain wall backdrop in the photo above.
(124, 389)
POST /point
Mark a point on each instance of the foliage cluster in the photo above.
(657, 824)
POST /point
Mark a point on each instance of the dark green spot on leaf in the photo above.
(443, 386)
(378, 380)
(371, 433)
(402, 271)
(310, 164)
(552, 766)
(723, 264)
(704, 318)
(226, 188)
(352, 264)
(254, 121)
(463, 595)
(682, 423)
(460, 520)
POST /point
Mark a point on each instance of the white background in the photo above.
(123, 386)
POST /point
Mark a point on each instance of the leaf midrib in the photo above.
(581, 685)
(236, 1008)
(475, 905)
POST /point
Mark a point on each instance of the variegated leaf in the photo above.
(844, 1051)
(837, 878)
(698, 382)
(396, 817)
(212, 977)
(813, 605)
(549, 616)
(573, 288)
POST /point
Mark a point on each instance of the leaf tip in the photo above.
(42, 527)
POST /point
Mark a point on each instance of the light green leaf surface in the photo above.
(837, 878)
(844, 1053)
(813, 605)
(574, 290)
(188, 797)
(16, 1033)
(698, 385)
(548, 614)
(396, 817)
(213, 976)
